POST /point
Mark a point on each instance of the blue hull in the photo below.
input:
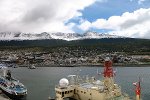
(15, 97)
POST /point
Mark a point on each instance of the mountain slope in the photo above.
(58, 35)
(129, 45)
(89, 40)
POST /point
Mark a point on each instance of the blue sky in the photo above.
(121, 17)
(111, 8)
(108, 8)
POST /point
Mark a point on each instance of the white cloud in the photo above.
(135, 24)
(40, 15)
(140, 1)
(85, 25)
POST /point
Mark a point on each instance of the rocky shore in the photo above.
(90, 65)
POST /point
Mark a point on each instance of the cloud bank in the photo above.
(56, 15)
(40, 15)
(135, 24)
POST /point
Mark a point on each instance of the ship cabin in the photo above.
(64, 92)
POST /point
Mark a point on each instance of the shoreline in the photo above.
(88, 65)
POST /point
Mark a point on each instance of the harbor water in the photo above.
(41, 81)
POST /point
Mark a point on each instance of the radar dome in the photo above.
(63, 82)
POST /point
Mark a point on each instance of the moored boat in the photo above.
(32, 66)
(89, 88)
(12, 87)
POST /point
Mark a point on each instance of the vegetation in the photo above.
(129, 45)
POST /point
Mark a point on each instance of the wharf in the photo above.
(3, 96)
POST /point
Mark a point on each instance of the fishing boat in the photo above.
(11, 86)
(89, 88)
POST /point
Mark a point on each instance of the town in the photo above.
(68, 57)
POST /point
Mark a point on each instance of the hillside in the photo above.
(104, 44)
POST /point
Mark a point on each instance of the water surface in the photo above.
(41, 82)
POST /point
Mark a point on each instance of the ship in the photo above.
(76, 88)
(11, 86)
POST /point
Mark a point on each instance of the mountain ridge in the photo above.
(57, 35)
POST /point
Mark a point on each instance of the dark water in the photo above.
(40, 82)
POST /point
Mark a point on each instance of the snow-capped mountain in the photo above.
(58, 35)
(23, 36)
(95, 35)
(65, 36)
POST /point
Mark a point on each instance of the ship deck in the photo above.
(91, 86)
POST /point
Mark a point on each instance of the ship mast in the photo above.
(108, 70)
(138, 90)
(108, 74)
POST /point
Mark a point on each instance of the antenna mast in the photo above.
(108, 70)
(138, 89)
(108, 74)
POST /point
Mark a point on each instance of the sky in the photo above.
(130, 18)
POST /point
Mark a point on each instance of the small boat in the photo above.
(32, 66)
(2, 66)
(12, 87)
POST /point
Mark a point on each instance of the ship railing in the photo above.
(67, 87)
(58, 86)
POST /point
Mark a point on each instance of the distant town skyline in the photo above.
(129, 18)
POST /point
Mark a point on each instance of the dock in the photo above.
(3, 96)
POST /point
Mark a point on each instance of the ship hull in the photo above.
(13, 96)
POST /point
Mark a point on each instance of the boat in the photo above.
(2, 66)
(11, 86)
(89, 88)
(32, 66)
